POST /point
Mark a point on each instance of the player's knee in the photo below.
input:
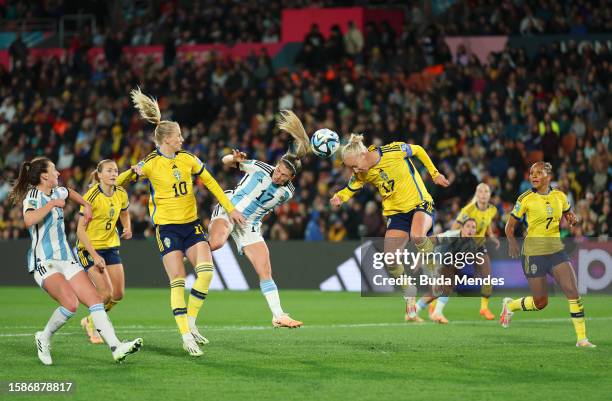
(105, 294)
(71, 303)
(214, 243)
(540, 302)
(118, 295)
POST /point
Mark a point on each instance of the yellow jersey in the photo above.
(542, 215)
(102, 229)
(483, 218)
(171, 184)
(396, 178)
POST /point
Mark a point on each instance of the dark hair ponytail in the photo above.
(29, 176)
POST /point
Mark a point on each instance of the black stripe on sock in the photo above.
(577, 315)
(179, 311)
(523, 304)
(198, 294)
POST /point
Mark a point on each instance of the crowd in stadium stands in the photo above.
(138, 22)
(489, 17)
(480, 122)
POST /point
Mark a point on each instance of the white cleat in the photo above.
(191, 346)
(43, 346)
(126, 348)
(506, 314)
(585, 344)
(199, 338)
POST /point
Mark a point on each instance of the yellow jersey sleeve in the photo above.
(125, 178)
(566, 206)
(520, 207)
(354, 185)
(215, 189)
(421, 154)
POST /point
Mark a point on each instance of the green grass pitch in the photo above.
(351, 348)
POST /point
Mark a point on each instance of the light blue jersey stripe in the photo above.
(46, 233)
(61, 238)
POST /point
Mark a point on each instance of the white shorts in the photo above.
(242, 235)
(49, 267)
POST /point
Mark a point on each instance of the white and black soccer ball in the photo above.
(324, 143)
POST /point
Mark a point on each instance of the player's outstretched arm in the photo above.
(128, 176)
(234, 159)
(420, 153)
(346, 193)
(87, 209)
(213, 186)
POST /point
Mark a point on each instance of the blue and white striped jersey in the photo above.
(49, 240)
(256, 195)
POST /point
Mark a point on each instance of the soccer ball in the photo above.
(324, 143)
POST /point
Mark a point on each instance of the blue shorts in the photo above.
(179, 237)
(403, 221)
(111, 257)
(540, 265)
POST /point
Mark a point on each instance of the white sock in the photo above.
(104, 325)
(442, 301)
(191, 321)
(58, 318)
(269, 290)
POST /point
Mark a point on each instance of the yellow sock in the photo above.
(177, 302)
(525, 303)
(199, 291)
(109, 305)
(425, 246)
(577, 314)
(484, 303)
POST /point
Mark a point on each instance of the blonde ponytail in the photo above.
(147, 106)
(149, 110)
(291, 124)
(354, 147)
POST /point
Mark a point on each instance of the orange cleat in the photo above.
(286, 321)
(432, 308)
(439, 319)
(487, 314)
(88, 326)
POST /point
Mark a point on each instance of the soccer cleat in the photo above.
(439, 318)
(411, 311)
(286, 321)
(199, 338)
(94, 336)
(585, 344)
(126, 348)
(191, 346)
(506, 314)
(432, 308)
(486, 313)
(43, 346)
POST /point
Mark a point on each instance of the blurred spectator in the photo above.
(18, 52)
(353, 40)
